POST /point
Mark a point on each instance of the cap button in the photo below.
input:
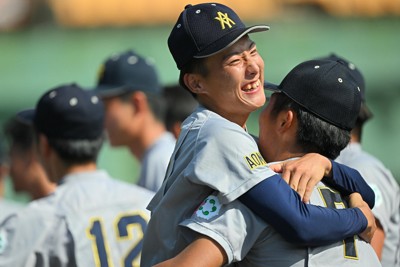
(188, 5)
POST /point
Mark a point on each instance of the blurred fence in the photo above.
(96, 13)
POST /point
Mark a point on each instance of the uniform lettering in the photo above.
(255, 160)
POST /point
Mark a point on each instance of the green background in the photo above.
(45, 55)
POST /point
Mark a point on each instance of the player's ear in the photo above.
(193, 82)
(286, 120)
(43, 146)
(139, 101)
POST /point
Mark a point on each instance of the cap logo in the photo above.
(224, 20)
(100, 71)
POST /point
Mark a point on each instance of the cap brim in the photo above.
(106, 91)
(229, 39)
(26, 116)
(367, 112)
(271, 87)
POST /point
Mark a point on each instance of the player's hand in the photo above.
(356, 201)
(304, 173)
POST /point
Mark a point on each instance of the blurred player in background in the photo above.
(6, 206)
(180, 104)
(26, 172)
(129, 86)
(91, 219)
(386, 240)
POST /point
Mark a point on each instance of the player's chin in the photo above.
(257, 102)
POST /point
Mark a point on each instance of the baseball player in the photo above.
(291, 125)
(386, 240)
(220, 64)
(6, 206)
(26, 172)
(91, 219)
(129, 86)
(180, 104)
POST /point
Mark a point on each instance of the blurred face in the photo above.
(22, 168)
(118, 120)
(234, 85)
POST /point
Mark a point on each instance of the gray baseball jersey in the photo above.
(8, 207)
(212, 154)
(155, 162)
(248, 241)
(387, 197)
(90, 220)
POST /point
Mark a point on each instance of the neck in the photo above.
(149, 134)
(43, 188)
(283, 151)
(59, 170)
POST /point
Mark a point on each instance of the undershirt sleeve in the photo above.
(304, 224)
(348, 180)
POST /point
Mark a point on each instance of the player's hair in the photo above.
(156, 102)
(196, 65)
(77, 151)
(180, 104)
(313, 134)
(361, 119)
(20, 135)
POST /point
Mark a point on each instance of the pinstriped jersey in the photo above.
(212, 154)
(249, 241)
(387, 197)
(8, 207)
(90, 220)
(155, 162)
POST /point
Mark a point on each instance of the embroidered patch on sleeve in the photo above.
(209, 208)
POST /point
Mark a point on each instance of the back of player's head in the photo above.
(313, 135)
(365, 113)
(20, 133)
(180, 104)
(326, 99)
(72, 120)
(325, 88)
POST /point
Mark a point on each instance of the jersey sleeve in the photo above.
(227, 160)
(281, 207)
(233, 226)
(348, 180)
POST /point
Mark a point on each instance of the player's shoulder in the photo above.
(35, 217)
(134, 189)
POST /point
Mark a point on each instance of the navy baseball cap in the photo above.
(359, 77)
(205, 29)
(67, 112)
(127, 72)
(325, 88)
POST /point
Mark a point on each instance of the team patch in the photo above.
(378, 194)
(3, 241)
(209, 208)
(255, 160)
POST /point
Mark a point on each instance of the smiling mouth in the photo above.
(251, 86)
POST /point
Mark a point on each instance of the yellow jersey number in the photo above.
(128, 227)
